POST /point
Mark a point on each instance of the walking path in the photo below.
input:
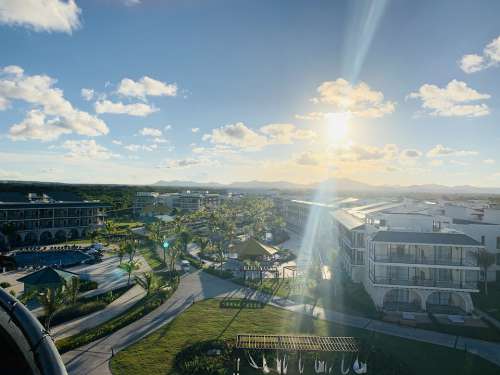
(115, 308)
(93, 359)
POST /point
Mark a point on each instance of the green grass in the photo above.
(350, 298)
(151, 256)
(205, 320)
(489, 303)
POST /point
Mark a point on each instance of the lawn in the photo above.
(206, 320)
(349, 298)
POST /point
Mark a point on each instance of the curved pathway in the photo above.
(93, 359)
(115, 308)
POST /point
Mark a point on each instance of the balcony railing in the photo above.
(412, 259)
(449, 284)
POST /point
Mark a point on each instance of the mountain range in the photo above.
(340, 184)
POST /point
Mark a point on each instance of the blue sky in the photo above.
(385, 92)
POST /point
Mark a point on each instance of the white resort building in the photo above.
(411, 257)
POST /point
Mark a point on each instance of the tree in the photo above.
(72, 289)
(149, 282)
(121, 251)
(185, 237)
(52, 300)
(130, 267)
(174, 251)
(130, 250)
(110, 227)
(202, 242)
(485, 260)
(156, 235)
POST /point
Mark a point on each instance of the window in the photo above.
(498, 243)
(498, 259)
(483, 241)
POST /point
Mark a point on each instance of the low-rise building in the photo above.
(27, 219)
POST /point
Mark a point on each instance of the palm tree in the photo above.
(72, 288)
(155, 233)
(485, 260)
(130, 250)
(185, 237)
(149, 282)
(52, 300)
(130, 267)
(202, 242)
(121, 251)
(174, 252)
(110, 227)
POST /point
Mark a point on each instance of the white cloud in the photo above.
(46, 15)
(87, 94)
(411, 154)
(59, 115)
(436, 162)
(35, 126)
(146, 86)
(307, 158)
(136, 147)
(87, 150)
(472, 63)
(117, 142)
(489, 161)
(185, 163)
(159, 140)
(360, 100)
(240, 136)
(134, 109)
(151, 132)
(453, 100)
(358, 152)
(131, 3)
(285, 133)
(439, 151)
(195, 130)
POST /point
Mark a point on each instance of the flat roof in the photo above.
(347, 220)
(428, 238)
(464, 221)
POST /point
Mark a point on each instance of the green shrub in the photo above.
(140, 309)
(86, 285)
(194, 360)
(76, 311)
(4, 284)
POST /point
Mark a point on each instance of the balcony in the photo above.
(429, 283)
(414, 259)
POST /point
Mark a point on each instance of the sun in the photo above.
(337, 126)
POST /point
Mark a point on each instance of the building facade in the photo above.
(405, 259)
(46, 218)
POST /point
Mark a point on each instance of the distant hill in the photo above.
(339, 184)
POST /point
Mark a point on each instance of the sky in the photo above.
(135, 91)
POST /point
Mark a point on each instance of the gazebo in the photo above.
(46, 278)
(254, 250)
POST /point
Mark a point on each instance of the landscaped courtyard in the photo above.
(206, 320)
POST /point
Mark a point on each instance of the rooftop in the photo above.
(428, 238)
(46, 276)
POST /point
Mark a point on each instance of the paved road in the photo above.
(93, 359)
(115, 308)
